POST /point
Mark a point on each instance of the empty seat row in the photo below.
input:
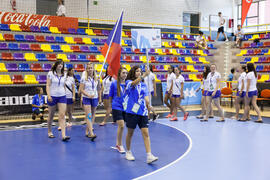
(55, 30)
(172, 44)
(256, 60)
(261, 68)
(250, 37)
(252, 52)
(256, 45)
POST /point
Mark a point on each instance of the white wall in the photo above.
(23, 6)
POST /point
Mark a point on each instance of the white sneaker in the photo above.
(120, 149)
(129, 156)
(227, 40)
(151, 158)
(73, 118)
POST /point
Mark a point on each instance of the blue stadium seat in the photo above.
(24, 67)
(96, 41)
(4, 27)
(19, 37)
(45, 29)
(94, 49)
(41, 57)
(60, 39)
(68, 66)
(56, 48)
(82, 58)
(13, 46)
(81, 31)
(128, 42)
(78, 77)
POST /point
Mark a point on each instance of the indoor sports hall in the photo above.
(134, 89)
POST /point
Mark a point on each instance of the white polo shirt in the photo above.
(177, 81)
(149, 80)
(57, 88)
(90, 87)
(253, 81)
(221, 20)
(205, 84)
(212, 80)
(69, 82)
(242, 77)
(106, 83)
(61, 10)
(170, 78)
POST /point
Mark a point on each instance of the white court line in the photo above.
(181, 157)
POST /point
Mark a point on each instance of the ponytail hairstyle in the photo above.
(59, 61)
(69, 71)
(206, 72)
(118, 80)
(251, 67)
(244, 67)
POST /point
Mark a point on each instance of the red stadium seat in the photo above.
(25, 28)
(63, 30)
(98, 32)
(18, 79)
(35, 47)
(51, 57)
(7, 56)
(76, 48)
(79, 67)
(128, 33)
(40, 38)
(78, 40)
(92, 58)
(127, 58)
(36, 67)
(9, 37)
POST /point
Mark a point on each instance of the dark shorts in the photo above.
(91, 102)
(221, 29)
(205, 93)
(69, 101)
(218, 94)
(152, 93)
(56, 100)
(132, 120)
(36, 112)
(175, 96)
(106, 96)
(252, 93)
(242, 95)
(118, 115)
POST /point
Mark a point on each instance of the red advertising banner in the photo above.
(38, 20)
(245, 7)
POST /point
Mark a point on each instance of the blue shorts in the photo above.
(205, 93)
(132, 120)
(118, 115)
(166, 92)
(252, 93)
(217, 95)
(242, 95)
(105, 96)
(56, 100)
(69, 101)
(152, 93)
(175, 96)
(91, 102)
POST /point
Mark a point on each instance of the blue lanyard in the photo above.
(93, 83)
(59, 79)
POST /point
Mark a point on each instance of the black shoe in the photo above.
(33, 117)
(66, 138)
(155, 117)
(42, 118)
(92, 137)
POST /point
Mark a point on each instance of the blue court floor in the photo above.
(190, 150)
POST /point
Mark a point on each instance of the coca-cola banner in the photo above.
(38, 20)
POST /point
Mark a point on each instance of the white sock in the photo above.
(149, 154)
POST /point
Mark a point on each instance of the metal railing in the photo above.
(260, 28)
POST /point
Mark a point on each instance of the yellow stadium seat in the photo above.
(15, 27)
(203, 60)
(255, 36)
(30, 57)
(30, 79)
(98, 68)
(179, 44)
(123, 43)
(242, 52)
(100, 58)
(46, 48)
(265, 77)
(66, 48)
(268, 53)
(178, 36)
(1, 37)
(254, 59)
(166, 67)
(55, 30)
(3, 67)
(5, 79)
(90, 32)
(191, 68)
(87, 41)
(143, 59)
(63, 57)
(127, 66)
(201, 53)
(189, 60)
(159, 51)
(70, 40)
(157, 80)
(166, 44)
(193, 77)
(123, 34)
(174, 52)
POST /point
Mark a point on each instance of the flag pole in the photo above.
(148, 83)
(105, 59)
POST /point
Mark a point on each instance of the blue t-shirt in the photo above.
(134, 102)
(37, 101)
(230, 77)
(117, 102)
